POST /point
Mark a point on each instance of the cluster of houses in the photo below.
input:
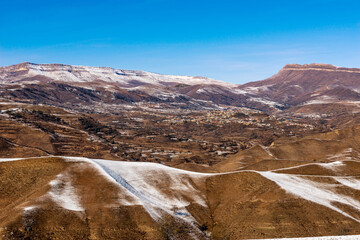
(245, 117)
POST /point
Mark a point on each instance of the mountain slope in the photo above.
(310, 84)
(72, 86)
(297, 89)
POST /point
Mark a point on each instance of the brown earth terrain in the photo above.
(205, 160)
(243, 201)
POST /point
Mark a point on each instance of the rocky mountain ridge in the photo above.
(295, 89)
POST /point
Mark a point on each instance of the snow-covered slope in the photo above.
(47, 83)
(69, 73)
(156, 186)
(160, 188)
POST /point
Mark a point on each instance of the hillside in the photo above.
(286, 190)
(132, 201)
(81, 86)
(312, 89)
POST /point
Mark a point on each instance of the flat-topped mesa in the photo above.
(318, 67)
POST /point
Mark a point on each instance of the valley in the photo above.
(102, 153)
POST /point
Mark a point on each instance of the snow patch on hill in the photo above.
(320, 193)
(258, 89)
(324, 99)
(10, 159)
(158, 188)
(64, 194)
(349, 182)
(266, 102)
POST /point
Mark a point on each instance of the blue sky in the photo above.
(234, 41)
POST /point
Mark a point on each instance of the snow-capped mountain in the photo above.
(299, 89)
(66, 84)
(78, 74)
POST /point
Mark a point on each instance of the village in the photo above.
(180, 137)
(246, 117)
(200, 136)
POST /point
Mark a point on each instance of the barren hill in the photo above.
(302, 86)
(308, 187)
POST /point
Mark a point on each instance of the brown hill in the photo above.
(295, 84)
(82, 199)
(306, 187)
(310, 84)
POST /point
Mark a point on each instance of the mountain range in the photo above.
(103, 153)
(295, 87)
